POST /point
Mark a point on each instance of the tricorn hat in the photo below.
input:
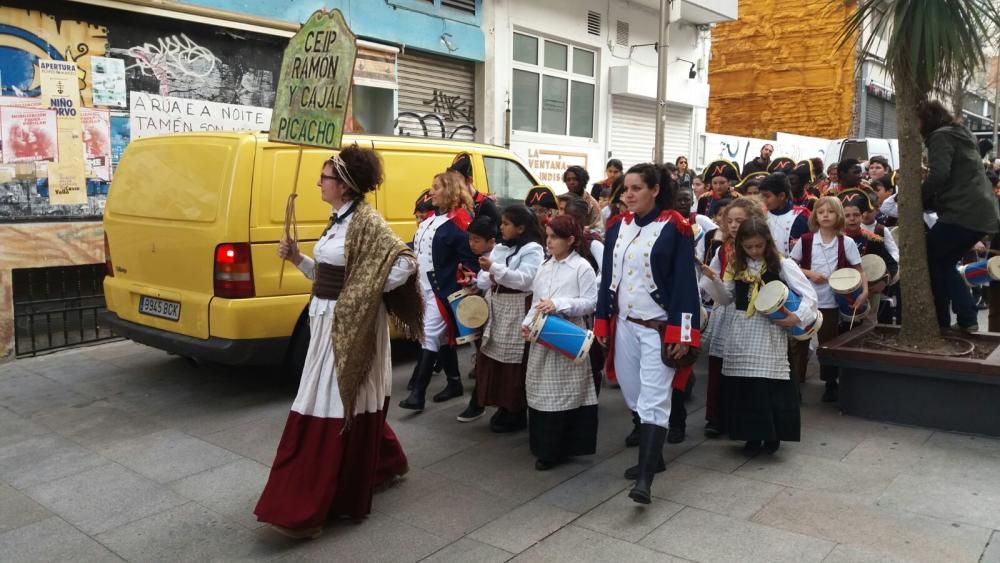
(760, 174)
(541, 195)
(726, 168)
(781, 164)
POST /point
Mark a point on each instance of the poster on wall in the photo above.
(65, 185)
(96, 125)
(120, 136)
(28, 134)
(151, 114)
(61, 93)
(109, 82)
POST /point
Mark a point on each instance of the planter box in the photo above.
(956, 394)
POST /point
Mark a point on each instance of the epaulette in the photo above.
(683, 225)
(461, 218)
(871, 236)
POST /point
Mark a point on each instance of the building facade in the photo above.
(150, 67)
(560, 83)
(575, 84)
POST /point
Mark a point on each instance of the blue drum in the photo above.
(982, 272)
(775, 301)
(847, 289)
(471, 313)
(562, 336)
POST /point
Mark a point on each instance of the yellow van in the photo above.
(193, 221)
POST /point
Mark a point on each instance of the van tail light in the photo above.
(110, 269)
(233, 271)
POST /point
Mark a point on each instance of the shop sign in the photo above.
(881, 93)
(548, 165)
(316, 71)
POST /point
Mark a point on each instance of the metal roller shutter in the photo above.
(880, 119)
(437, 96)
(633, 131)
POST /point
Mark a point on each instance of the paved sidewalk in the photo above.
(120, 452)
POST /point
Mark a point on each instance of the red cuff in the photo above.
(601, 328)
(673, 336)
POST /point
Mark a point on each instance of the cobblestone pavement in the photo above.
(121, 452)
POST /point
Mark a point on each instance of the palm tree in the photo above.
(931, 43)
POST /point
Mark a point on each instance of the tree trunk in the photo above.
(919, 320)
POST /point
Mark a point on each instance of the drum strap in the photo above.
(807, 249)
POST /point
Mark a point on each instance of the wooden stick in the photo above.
(291, 229)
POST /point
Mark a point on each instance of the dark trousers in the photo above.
(946, 244)
(713, 399)
(678, 410)
(798, 350)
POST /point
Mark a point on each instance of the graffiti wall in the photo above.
(28, 36)
(188, 65)
(118, 56)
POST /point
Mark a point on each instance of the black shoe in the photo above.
(474, 410)
(543, 465)
(509, 422)
(832, 393)
(751, 447)
(771, 447)
(451, 390)
(471, 413)
(421, 378)
(454, 388)
(712, 431)
(632, 440)
(651, 439)
(675, 435)
(632, 473)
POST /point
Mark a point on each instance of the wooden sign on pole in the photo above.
(313, 91)
(316, 72)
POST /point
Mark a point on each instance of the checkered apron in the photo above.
(502, 338)
(555, 383)
(718, 330)
(756, 347)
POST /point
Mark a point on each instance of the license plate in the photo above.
(159, 308)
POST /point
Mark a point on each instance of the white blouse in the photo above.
(516, 271)
(329, 249)
(824, 262)
(796, 281)
(570, 284)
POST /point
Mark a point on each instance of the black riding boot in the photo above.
(421, 378)
(632, 440)
(454, 388)
(651, 439)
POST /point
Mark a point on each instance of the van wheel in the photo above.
(295, 357)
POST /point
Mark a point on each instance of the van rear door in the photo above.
(172, 202)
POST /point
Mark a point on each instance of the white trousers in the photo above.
(435, 329)
(644, 380)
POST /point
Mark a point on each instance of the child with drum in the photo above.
(562, 401)
(443, 254)
(577, 209)
(506, 277)
(761, 402)
(877, 260)
(733, 215)
(821, 252)
(482, 240)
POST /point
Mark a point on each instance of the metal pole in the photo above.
(996, 103)
(661, 81)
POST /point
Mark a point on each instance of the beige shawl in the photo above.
(371, 249)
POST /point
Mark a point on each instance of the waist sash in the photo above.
(329, 281)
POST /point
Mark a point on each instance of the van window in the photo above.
(507, 179)
(178, 181)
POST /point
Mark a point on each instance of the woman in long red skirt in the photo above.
(337, 447)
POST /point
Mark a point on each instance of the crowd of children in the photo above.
(642, 259)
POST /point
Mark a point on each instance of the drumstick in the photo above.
(854, 315)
